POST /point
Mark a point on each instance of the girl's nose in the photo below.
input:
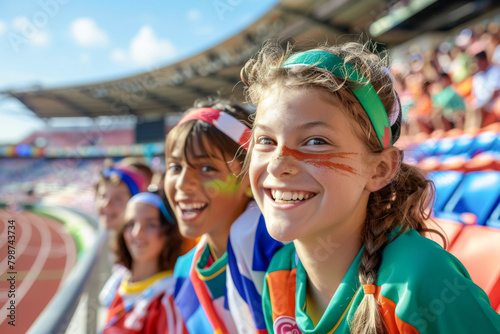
(137, 229)
(186, 180)
(282, 165)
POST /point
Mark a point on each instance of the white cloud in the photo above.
(86, 32)
(193, 15)
(41, 38)
(20, 23)
(145, 49)
(33, 34)
(3, 27)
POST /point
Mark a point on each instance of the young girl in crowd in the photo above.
(139, 295)
(204, 153)
(326, 176)
(116, 186)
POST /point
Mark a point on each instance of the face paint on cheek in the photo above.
(322, 160)
(228, 187)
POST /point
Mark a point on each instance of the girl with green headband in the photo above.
(325, 173)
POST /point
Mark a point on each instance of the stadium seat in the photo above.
(495, 147)
(450, 228)
(446, 183)
(494, 220)
(482, 142)
(423, 150)
(478, 248)
(430, 163)
(453, 162)
(485, 161)
(462, 144)
(444, 146)
(477, 194)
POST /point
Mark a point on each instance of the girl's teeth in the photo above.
(279, 194)
(289, 196)
(193, 206)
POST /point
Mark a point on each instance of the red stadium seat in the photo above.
(450, 228)
(430, 163)
(478, 248)
(485, 161)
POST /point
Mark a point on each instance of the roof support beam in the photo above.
(73, 105)
(117, 107)
(24, 100)
(165, 102)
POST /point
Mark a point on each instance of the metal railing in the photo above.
(57, 315)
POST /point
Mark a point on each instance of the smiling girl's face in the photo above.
(203, 191)
(309, 170)
(142, 232)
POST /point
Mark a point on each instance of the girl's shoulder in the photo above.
(109, 290)
(416, 256)
(183, 263)
(428, 288)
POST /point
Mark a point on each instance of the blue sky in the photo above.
(55, 43)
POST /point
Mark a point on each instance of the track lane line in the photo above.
(35, 268)
(22, 243)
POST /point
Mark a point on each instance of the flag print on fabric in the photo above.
(141, 307)
(200, 291)
(250, 249)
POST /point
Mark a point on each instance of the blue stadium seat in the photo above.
(422, 150)
(446, 183)
(462, 144)
(483, 142)
(494, 220)
(444, 146)
(495, 147)
(478, 193)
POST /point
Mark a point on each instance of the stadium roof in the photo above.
(173, 88)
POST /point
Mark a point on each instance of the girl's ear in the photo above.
(385, 167)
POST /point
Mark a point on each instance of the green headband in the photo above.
(364, 92)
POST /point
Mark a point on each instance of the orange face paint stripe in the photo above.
(321, 160)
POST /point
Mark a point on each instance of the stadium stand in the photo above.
(478, 193)
(71, 137)
(446, 182)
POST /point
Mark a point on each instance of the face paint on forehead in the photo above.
(321, 160)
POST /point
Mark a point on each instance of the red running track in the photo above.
(44, 255)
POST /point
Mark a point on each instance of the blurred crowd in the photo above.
(455, 85)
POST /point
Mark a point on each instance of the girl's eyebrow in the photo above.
(262, 127)
(314, 124)
(207, 157)
(173, 157)
(303, 126)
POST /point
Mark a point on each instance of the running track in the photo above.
(45, 254)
